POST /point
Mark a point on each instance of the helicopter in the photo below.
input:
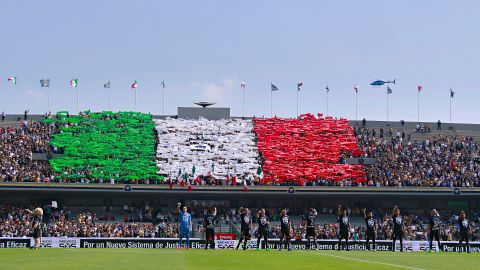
(380, 82)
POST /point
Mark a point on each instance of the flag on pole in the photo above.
(245, 187)
(274, 87)
(234, 178)
(189, 185)
(299, 86)
(13, 80)
(243, 85)
(163, 84)
(452, 94)
(134, 84)
(356, 87)
(389, 90)
(45, 83)
(259, 171)
(107, 85)
(327, 88)
(194, 170)
(420, 88)
(74, 82)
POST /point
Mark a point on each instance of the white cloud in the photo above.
(33, 94)
(217, 92)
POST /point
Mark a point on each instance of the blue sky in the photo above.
(204, 49)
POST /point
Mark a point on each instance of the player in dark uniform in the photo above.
(246, 223)
(209, 225)
(286, 230)
(344, 224)
(463, 224)
(36, 226)
(397, 228)
(434, 227)
(371, 227)
(263, 228)
(309, 224)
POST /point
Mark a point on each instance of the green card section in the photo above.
(104, 146)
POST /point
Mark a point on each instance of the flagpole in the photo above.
(135, 99)
(243, 102)
(327, 102)
(450, 107)
(418, 106)
(163, 101)
(77, 100)
(109, 98)
(297, 101)
(356, 105)
(387, 108)
(48, 98)
(271, 102)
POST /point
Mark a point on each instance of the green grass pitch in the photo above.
(171, 259)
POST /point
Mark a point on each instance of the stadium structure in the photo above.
(132, 168)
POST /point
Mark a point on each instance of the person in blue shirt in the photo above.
(185, 226)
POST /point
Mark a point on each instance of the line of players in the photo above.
(286, 228)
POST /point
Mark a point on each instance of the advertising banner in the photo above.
(196, 243)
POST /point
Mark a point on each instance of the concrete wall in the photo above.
(209, 113)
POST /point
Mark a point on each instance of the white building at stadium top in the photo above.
(216, 147)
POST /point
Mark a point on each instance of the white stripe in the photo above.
(365, 261)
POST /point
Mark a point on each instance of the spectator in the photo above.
(16, 148)
(436, 161)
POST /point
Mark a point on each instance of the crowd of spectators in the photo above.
(16, 147)
(400, 160)
(64, 223)
(436, 161)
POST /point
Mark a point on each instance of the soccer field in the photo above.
(229, 259)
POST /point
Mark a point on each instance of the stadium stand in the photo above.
(104, 147)
(150, 222)
(131, 148)
(441, 159)
(17, 143)
(218, 149)
(306, 149)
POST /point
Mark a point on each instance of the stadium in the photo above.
(196, 176)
